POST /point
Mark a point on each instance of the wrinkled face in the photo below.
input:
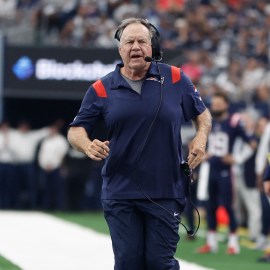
(134, 46)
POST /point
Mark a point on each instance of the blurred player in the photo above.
(248, 193)
(50, 157)
(266, 178)
(24, 145)
(219, 156)
(7, 158)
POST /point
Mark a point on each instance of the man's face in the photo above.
(135, 45)
(219, 107)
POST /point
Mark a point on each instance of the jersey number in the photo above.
(218, 144)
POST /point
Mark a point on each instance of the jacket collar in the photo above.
(118, 80)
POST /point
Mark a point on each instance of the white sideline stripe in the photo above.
(37, 241)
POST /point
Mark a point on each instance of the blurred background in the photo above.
(52, 50)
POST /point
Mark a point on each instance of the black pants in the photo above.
(144, 236)
(220, 190)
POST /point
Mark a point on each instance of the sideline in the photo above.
(38, 241)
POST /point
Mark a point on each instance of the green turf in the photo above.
(7, 265)
(246, 260)
(95, 221)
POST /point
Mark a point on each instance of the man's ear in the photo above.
(119, 50)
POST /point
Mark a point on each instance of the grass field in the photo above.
(186, 249)
(7, 265)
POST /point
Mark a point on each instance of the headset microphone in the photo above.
(148, 59)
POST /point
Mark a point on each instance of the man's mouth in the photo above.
(135, 56)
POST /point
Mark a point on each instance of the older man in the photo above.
(143, 104)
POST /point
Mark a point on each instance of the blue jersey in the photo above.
(221, 140)
(134, 165)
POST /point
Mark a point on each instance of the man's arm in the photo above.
(203, 124)
(96, 150)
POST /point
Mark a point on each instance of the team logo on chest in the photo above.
(161, 80)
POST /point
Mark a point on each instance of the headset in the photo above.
(155, 40)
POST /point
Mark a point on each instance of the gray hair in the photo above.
(126, 22)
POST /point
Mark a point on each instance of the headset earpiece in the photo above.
(155, 41)
(116, 35)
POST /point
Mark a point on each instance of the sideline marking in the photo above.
(38, 241)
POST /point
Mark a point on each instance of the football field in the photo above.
(80, 241)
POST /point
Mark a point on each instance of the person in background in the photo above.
(266, 257)
(76, 167)
(50, 157)
(263, 149)
(247, 190)
(219, 159)
(24, 146)
(7, 159)
(260, 165)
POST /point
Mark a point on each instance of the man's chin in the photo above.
(138, 64)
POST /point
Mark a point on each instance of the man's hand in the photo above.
(97, 150)
(196, 151)
(266, 185)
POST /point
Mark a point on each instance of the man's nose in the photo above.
(136, 45)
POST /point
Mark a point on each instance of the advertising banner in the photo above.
(56, 72)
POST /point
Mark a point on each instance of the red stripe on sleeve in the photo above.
(100, 89)
(176, 75)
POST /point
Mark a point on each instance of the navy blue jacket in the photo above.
(136, 166)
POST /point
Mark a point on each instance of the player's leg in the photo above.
(226, 196)
(254, 209)
(47, 201)
(126, 228)
(161, 233)
(211, 208)
(265, 245)
(2, 185)
(32, 185)
(263, 239)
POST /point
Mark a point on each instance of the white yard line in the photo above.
(36, 241)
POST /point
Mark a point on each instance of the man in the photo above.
(142, 103)
(247, 191)
(7, 158)
(219, 157)
(260, 165)
(266, 184)
(50, 157)
(24, 145)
